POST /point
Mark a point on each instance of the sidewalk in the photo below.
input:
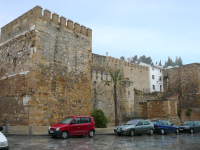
(43, 130)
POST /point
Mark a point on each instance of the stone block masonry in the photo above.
(185, 80)
(45, 67)
(102, 96)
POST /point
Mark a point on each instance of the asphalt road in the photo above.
(182, 141)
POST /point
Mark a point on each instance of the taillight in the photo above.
(157, 126)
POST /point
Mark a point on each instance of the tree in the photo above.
(146, 60)
(122, 58)
(178, 61)
(169, 62)
(160, 63)
(116, 79)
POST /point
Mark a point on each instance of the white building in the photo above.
(155, 77)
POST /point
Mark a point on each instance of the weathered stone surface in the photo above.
(48, 62)
(185, 80)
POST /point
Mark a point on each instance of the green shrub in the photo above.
(188, 112)
(179, 112)
(100, 119)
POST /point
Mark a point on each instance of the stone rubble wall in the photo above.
(17, 78)
(102, 96)
(185, 80)
(161, 108)
(45, 67)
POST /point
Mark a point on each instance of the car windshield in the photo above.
(132, 122)
(154, 122)
(66, 120)
(188, 123)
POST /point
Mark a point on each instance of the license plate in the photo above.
(118, 130)
(51, 131)
(180, 129)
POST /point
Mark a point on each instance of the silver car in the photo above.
(137, 126)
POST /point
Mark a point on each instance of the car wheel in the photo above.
(150, 132)
(162, 131)
(132, 133)
(177, 131)
(191, 131)
(64, 135)
(91, 133)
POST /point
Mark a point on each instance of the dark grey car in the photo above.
(135, 127)
(190, 126)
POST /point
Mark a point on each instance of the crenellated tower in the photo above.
(45, 68)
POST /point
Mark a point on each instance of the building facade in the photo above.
(155, 77)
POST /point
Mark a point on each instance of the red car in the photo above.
(73, 125)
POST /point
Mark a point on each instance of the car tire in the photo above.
(91, 133)
(162, 131)
(177, 131)
(119, 134)
(64, 135)
(151, 132)
(191, 131)
(132, 133)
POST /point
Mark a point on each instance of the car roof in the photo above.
(78, 116)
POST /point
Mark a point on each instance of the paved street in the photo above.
(183, 141)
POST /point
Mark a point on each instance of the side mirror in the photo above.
(1, 128)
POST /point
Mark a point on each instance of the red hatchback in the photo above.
(73, 125)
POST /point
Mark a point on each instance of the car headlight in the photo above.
(49, 127)
(57, 129)
(116, 128)
(3, 144)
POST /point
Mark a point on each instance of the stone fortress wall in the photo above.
(45, 65)
(102, 96)
(185, 80)
(48, 72)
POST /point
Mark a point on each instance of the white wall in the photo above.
(157, 72)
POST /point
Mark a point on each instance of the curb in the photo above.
(10, 134)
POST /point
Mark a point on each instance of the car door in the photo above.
(164, 126)
(139, 127)
(170, 127)
(75, 127)
(196, 126)
(85, 125)
(146, 126)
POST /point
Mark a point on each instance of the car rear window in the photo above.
(85, 120)
(188, 123)
(146, 123)
(154, 122)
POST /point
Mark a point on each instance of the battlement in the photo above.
(36, 13)
(124, 63)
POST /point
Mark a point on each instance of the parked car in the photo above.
(3, 140)
(135, 126)
(164, 126)
(190, 126)
(73, 125)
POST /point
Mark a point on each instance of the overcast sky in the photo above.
(155, 28)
